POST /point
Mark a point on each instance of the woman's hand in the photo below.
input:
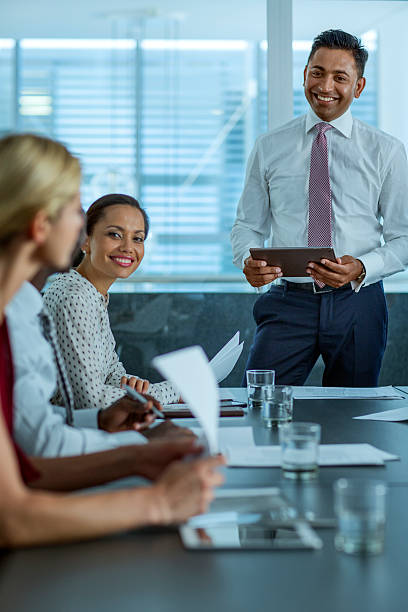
(186, 489)
(138, 384)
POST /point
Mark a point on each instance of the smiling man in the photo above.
(325, 179)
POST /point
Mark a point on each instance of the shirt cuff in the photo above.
(374, 266)
(247, 254)
(86, 418)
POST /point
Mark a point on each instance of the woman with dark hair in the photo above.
(117, 227)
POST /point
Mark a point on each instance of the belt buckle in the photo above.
(318, 290)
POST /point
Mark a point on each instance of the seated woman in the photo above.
(40, 218)
(116, 228)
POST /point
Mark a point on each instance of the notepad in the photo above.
(329, 455)
(348, 393)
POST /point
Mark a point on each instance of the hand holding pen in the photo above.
(143, 400)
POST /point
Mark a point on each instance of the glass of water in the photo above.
(277, 406)
(359, 506)
(299, 450)
(259, 384)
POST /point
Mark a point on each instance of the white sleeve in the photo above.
(40, 430)
(164, 392)
(78, 333)
(392, 256)
(116, 371)
(252, 225)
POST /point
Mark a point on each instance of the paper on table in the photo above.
(399, 414)
(347, 393)
(224, 361)
(188, 370)
(329, 454)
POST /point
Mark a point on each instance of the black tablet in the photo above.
(293, 261)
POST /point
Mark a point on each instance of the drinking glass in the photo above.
(359, 506)
(259, 382)
(277, 406)
(299, 449)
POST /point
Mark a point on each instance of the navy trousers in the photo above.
(295, 326)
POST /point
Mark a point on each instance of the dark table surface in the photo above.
(149, 569)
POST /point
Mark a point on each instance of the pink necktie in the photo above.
(319, 230)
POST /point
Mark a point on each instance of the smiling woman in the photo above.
(114, 248)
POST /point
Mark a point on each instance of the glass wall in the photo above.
(170, 121)
(173, 120)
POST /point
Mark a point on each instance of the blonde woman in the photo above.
(40, 217)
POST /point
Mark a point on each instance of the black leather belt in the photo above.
(311, 287)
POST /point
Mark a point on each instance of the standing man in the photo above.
(325, 179)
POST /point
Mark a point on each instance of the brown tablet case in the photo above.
(293, 261)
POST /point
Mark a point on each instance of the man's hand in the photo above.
(127, 413)
(138, 384)
(258, 273)
(338, 273)
(168, 431)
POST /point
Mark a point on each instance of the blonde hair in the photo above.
(36, 173)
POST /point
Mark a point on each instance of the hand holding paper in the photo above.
(188, 370)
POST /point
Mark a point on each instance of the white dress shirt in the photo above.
(87, 344)
(369, 182)
(39, 427)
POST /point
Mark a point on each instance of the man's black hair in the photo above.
(337, 39)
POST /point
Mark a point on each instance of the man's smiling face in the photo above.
(331, 82)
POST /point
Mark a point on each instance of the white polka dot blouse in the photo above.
(88, 346)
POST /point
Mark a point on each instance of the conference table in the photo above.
(150, 570)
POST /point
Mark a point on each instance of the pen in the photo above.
(136, 396)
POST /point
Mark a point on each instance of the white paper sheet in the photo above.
(347, 393)
(224, 361)
(188, 370)
(329, 454)
(399, 414)
(226, 348)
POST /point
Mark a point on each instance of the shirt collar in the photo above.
(101, 298)
(27, 301)
(343, 124)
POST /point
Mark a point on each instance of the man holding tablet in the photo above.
(325, 180)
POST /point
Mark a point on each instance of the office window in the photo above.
(7, 89)
(173, 121)
(170, 121)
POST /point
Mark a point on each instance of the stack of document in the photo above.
(348, 393)
(224, 361)
(329, 455)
